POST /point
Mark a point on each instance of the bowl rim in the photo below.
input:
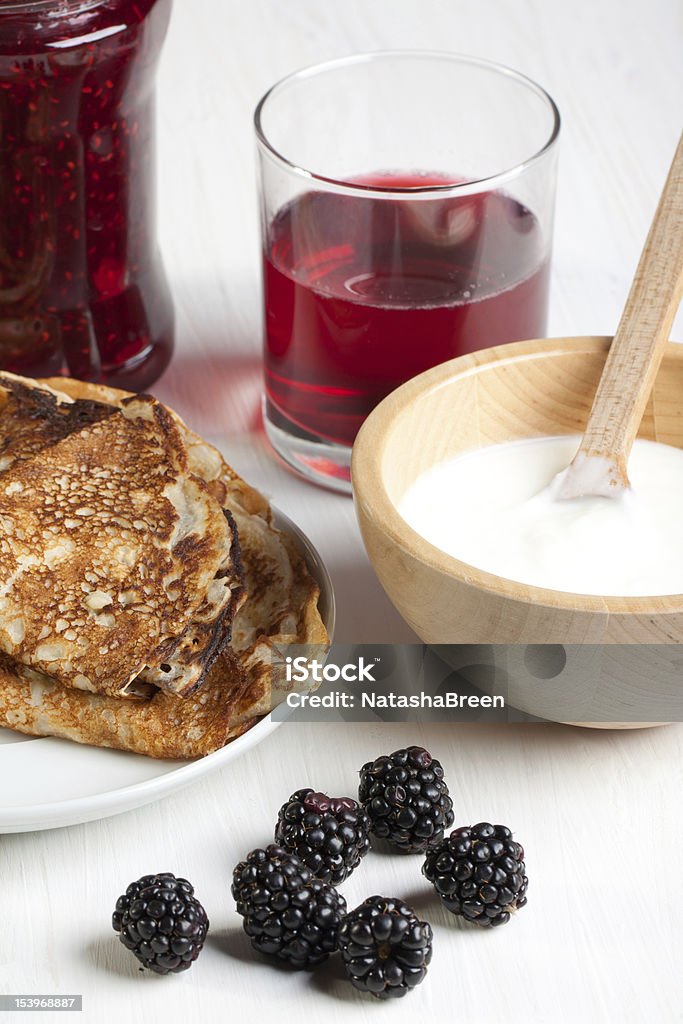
(371, 495)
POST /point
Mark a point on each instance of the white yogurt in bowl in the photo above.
(496, 509)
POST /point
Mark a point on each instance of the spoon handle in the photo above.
(600, 465)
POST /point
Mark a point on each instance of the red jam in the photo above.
(82, 286)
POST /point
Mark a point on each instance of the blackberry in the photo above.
(479, 873)
(385, 948)
(287, 912)
(406, 799)
(329, 834)
(160, 920)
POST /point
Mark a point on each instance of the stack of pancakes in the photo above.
(145, 596)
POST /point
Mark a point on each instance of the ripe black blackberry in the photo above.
(385, 948)
(160, 920)
(329, 834)
(479, 873)
(286, 912)
(406, 799)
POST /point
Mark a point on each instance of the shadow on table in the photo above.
(215, 391)
(234, 943)
(331, 979)
(364, 613)
(328, 977)
(111, 956)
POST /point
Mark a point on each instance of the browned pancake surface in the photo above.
(245, 683)
(166, 726)
(109, 549)
(34, 418)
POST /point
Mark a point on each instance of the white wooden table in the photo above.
(599, 813)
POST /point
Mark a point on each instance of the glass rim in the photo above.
(470, 186)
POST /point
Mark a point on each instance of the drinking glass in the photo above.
(407, 212)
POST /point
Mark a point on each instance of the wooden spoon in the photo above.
(600, 465)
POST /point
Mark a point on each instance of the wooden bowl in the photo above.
(526, 389)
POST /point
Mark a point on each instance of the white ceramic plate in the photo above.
(55, 782)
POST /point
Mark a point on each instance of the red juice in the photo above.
(362, 293)
(82, 286)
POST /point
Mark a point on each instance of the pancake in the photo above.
(247, 680)
(115, 558)
(166, 726)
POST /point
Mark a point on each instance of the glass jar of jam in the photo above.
(82, 286)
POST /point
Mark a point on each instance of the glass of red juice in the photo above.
(407, 211)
